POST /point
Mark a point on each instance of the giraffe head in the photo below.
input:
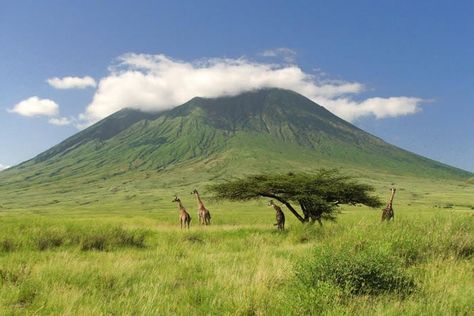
(194, 192)
(176, 199)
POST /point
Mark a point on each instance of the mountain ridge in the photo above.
(279, 127)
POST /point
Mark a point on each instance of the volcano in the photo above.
(267, 130)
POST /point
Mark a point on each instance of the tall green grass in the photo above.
(420, 264)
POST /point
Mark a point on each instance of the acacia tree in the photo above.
(318, 195)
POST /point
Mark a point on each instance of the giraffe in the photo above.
(387, 212)
(280, 216)
(203, 213)
(184, 217)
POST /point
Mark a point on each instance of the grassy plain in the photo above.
(119, 251)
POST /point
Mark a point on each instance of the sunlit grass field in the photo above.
(124, 254)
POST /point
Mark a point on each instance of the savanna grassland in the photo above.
(88, 226)
(127, 255)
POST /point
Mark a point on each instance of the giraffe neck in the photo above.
(390, 202)
(180, 206)
(199, 200)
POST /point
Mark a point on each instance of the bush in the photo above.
(112, 237)
(125, 238)
(366, 272)
(461, 244)
(49, 239)
(94, 242)
(100, 238)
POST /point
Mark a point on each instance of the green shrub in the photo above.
(128, 238)
(49, 239)
(369, 271)
(462, 244)
(94, 242)
(107, 238)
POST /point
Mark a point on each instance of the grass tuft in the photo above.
(7, 245)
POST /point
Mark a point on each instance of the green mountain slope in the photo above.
(204, 139)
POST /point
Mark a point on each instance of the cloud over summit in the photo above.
(158, 82)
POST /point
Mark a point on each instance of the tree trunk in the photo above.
(306, 214)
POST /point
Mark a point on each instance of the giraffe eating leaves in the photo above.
(280, 216)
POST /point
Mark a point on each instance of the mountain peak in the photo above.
(262, 129)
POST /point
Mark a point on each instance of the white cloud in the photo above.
(287, 54)
(3, 167)
(72, 82)
(35, 106)
(60, 121)
(378, 107)
(158, 82)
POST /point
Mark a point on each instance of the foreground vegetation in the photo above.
(114, 247)
(141, 263)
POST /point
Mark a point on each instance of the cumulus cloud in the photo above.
(72, 82)
(157, 82)
(60, 121)
(35, 106)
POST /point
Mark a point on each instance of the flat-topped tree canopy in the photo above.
(318, 195)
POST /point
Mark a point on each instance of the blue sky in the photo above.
(402, 70)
